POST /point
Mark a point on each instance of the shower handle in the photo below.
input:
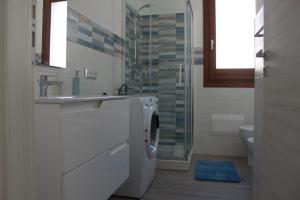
(180, 75)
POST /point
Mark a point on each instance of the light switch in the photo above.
(90, 74)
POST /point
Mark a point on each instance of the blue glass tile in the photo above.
(84, 43)
(85, 31)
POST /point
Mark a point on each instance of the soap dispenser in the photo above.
(76, 84)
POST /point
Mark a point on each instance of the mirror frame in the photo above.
(46, 30)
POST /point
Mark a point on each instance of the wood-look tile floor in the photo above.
(178, 185)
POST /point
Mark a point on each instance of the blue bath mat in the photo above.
(219, 171)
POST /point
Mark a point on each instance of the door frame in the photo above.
(2, 133)
(18, 100)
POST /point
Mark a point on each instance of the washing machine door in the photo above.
(152, 132)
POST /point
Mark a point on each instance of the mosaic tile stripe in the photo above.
(85, 32)
(198, 56)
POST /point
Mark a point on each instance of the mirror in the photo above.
(50, 36)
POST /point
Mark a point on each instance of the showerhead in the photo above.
(144, 6)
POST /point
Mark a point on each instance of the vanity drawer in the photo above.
(88, 133)
(99, 178)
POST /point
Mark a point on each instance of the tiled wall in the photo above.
(167, 55)
(198, 56)
(168, 49)
(209, 101)
(95, 43)
(133, 72)
(85, 32)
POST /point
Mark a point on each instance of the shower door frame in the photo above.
(188, 78)
(184, 163)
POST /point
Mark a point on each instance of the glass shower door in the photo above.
(158, 63)
(188, 80)
(169, 43)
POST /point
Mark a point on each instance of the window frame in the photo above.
(213, 77)
(46, 35)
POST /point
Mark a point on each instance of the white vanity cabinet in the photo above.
(81, 147)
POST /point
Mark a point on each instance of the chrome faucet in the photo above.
(44, 83)
(123, 90)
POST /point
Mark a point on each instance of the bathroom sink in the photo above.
(70, 99)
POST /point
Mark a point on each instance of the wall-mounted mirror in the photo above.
(50, 38)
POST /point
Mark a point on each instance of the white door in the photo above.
(2, 138)
(277, 163)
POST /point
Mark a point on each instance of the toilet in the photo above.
(247, 137)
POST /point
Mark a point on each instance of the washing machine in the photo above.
(144, 137)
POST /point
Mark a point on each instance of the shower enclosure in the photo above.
(158, 62)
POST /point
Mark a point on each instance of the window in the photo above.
(229, 43)
(54, 33)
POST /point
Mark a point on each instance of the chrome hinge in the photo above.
(212, 44)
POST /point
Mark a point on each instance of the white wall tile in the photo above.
(226, 124)
(107, 13)
(209, 101)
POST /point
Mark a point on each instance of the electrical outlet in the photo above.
(90, 74)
